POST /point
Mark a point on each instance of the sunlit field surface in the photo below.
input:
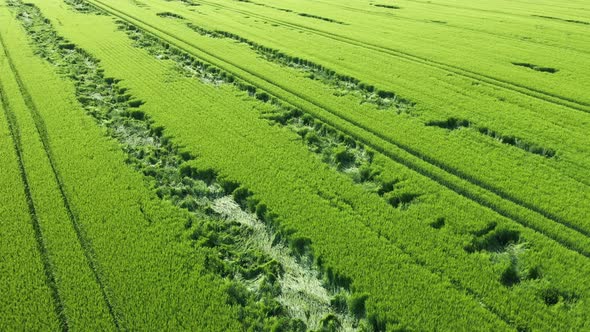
(294, 165)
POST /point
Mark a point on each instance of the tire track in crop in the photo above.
(482, 10)
(41, 246)
(458, 27)
(571, 236)
(459, 288)
(84, 242)
(473, 296)
(449, 169)
(577, 179)
(506, 85)
(564, 239)
(282, 58)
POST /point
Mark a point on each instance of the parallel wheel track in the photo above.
(41, 245)
(570, 229)
(84, 242)
(453, 26)
(505, 85)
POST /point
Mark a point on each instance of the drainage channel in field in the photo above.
(275, 280)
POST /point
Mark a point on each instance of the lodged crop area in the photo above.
(294, 165)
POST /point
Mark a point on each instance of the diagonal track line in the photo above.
(506, 85)
(41, 245)
(84, 242)
(571, 236)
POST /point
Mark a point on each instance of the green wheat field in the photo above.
(294, 165)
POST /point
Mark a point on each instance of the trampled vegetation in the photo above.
(220, 165)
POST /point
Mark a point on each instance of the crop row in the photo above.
(380, 45)
(444, 93)
(26, 268)
(344, 84)
(265, 265)
(564, 231)
(109, 201)
(439, 95)
(478, 83)
(448, 94)
(347, 85)
(318, 242)
(492, 230)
